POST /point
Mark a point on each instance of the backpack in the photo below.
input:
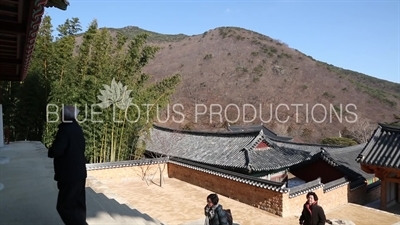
(229, 216)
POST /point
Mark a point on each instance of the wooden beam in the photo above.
(10, 61)
(391, 170)
(7, 54)
(392, 179)
(9, 2)
(8, 42)
(7, 50)
(19, 47)
(398, 192)
(367, 168)
(383, 195)
(8, 46)
(20, 10)
(381, 171)
(4, 12)
(12, 28)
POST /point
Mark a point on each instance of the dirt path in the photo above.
(178, 202)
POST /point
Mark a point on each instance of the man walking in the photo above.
(68, 151)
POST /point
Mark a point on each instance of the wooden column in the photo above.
(383, 195)
(1, 127)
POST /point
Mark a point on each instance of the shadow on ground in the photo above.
(29, 193)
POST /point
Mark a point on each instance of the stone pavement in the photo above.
(180, 203)
(29, 193)
(119, 196)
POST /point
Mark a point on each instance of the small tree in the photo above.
(340, 141)
(165, 145)
(361, 130)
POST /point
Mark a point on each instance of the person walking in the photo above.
(215, 215)
(312, 214)
(68, 153)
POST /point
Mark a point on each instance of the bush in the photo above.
(341, 141)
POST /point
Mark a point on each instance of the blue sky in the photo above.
(358, 35)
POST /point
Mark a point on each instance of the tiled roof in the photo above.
(335, 184)
(269, 133)
(250, 180)
(308, 147)
(305, 188)
(129, 163)
(343, 159)
(238, 150)
(230, 150)
(60, 4)
(383, 149)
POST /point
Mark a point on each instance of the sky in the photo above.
(362, 36)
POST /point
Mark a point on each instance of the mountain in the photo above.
(230, 65)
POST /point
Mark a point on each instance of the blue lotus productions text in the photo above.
(218, 113)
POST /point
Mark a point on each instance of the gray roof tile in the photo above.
(237, 150)
(383, 149)
(128, 163)
(258, 128)
(305, 188)
(345, 157)
(227, 150)
(335, 184)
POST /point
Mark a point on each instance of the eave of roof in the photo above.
(19, 24)
(268, 132)
(128, 163)
(60, 4)
(305, 188)
(225, 150)
(383, 148)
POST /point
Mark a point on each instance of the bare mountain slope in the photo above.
(237, 66)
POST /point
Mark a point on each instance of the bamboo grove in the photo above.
(99, 72)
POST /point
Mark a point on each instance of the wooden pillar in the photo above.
(1, 127)
(383, 195)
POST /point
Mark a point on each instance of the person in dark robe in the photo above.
(68, 153)
(312, 214)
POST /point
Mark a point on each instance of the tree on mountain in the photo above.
(339, 141)
(361, 130)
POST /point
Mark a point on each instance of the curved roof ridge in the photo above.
(346, 149)
(207, 133)
(389, 127)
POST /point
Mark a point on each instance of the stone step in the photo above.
(96, 214)
(116, 212)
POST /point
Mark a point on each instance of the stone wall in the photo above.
(262, 198)
(131, 173)
(328, 200)
(365, 194)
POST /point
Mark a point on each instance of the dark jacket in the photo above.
(317, 217)
(68, 151)
(220, 217)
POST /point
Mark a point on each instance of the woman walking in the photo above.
(215, 215)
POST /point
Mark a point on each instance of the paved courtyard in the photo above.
(27, 188)
(177, 202)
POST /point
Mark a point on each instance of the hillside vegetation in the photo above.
(230, 65)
